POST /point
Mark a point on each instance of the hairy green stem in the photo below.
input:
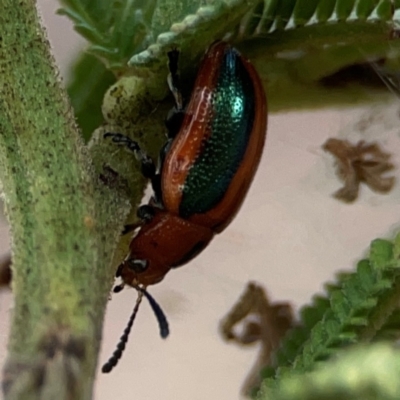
(64, 223)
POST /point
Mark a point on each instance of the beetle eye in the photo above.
(137, 265)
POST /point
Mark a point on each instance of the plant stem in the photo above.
(64, 223)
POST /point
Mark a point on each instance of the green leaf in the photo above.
(296, 45)
(381, 253)
(358, 308)
(115, 28)
(362, 373)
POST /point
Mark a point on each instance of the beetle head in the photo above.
(136, 270)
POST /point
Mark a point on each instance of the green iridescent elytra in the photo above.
(228, 126)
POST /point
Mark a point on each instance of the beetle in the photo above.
(207, 165)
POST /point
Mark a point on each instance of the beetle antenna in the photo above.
(113, 360)
(159, 313)
(162, 322)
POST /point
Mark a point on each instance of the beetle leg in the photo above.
(173, 78)
(176, 114)
(145, 213)
(131, 227)
(148, 167)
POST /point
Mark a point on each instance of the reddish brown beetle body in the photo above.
(157, 242)
(207, 168)
(224, 120)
